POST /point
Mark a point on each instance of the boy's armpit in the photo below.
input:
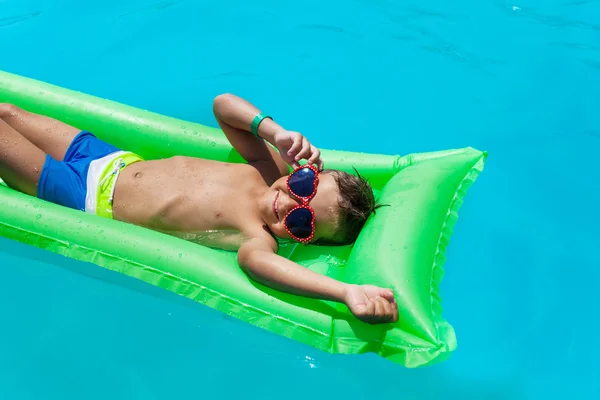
(262, 239)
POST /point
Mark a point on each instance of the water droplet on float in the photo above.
(38, 216)
(213, 144)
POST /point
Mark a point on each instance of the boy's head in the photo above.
(355, 203)
(341, 206)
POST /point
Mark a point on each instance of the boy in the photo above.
(249, 205)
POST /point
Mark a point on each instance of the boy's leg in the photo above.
(51, 136)
(21, 162)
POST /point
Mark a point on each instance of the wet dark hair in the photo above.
(356, 203)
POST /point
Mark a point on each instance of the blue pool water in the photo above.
(520, 79)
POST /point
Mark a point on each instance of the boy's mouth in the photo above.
(276, 206)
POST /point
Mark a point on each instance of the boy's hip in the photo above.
(102, 180)
(86, 177)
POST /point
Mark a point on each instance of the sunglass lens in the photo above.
(299, 222)
(302, 182)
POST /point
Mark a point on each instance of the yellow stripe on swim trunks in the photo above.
(106, 187)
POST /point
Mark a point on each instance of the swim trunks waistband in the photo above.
(101, 181)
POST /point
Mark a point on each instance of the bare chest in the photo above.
(199, 200)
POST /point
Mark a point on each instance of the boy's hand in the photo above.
(371, 304)
(294, 147)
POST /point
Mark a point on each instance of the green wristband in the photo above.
(256, 123)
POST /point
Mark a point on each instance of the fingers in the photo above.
(296, 146)
(305, 152)
(376, 305)
(382, 311)
(392, 305)
(299, 148)
(314, 154)
(379, 308)
(294, 164)
(387, 294)
(389, 311)
(315, 157)
(369, 309)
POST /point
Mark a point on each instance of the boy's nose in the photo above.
(290, 202)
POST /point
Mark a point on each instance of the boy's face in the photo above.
(278, 202)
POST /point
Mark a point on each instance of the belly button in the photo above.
(137, 175)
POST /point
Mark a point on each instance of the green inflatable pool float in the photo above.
(401, 247)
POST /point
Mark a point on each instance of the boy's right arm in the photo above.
(235, 116)
(366, 302)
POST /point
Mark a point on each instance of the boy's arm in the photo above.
(235, 116)
(368, 303)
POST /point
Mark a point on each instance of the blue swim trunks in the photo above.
(86, 177)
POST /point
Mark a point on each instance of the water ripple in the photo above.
(330, 28)
(554, 21)
(417, 12)
(6, 21)
(158, 6)
(577, 46)
(228, 74)
(403, 37)
(436, 44)
(592, 63)
(578, 2)
(406, 23)
(591, 132)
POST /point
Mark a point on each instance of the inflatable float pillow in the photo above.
(401, 246)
